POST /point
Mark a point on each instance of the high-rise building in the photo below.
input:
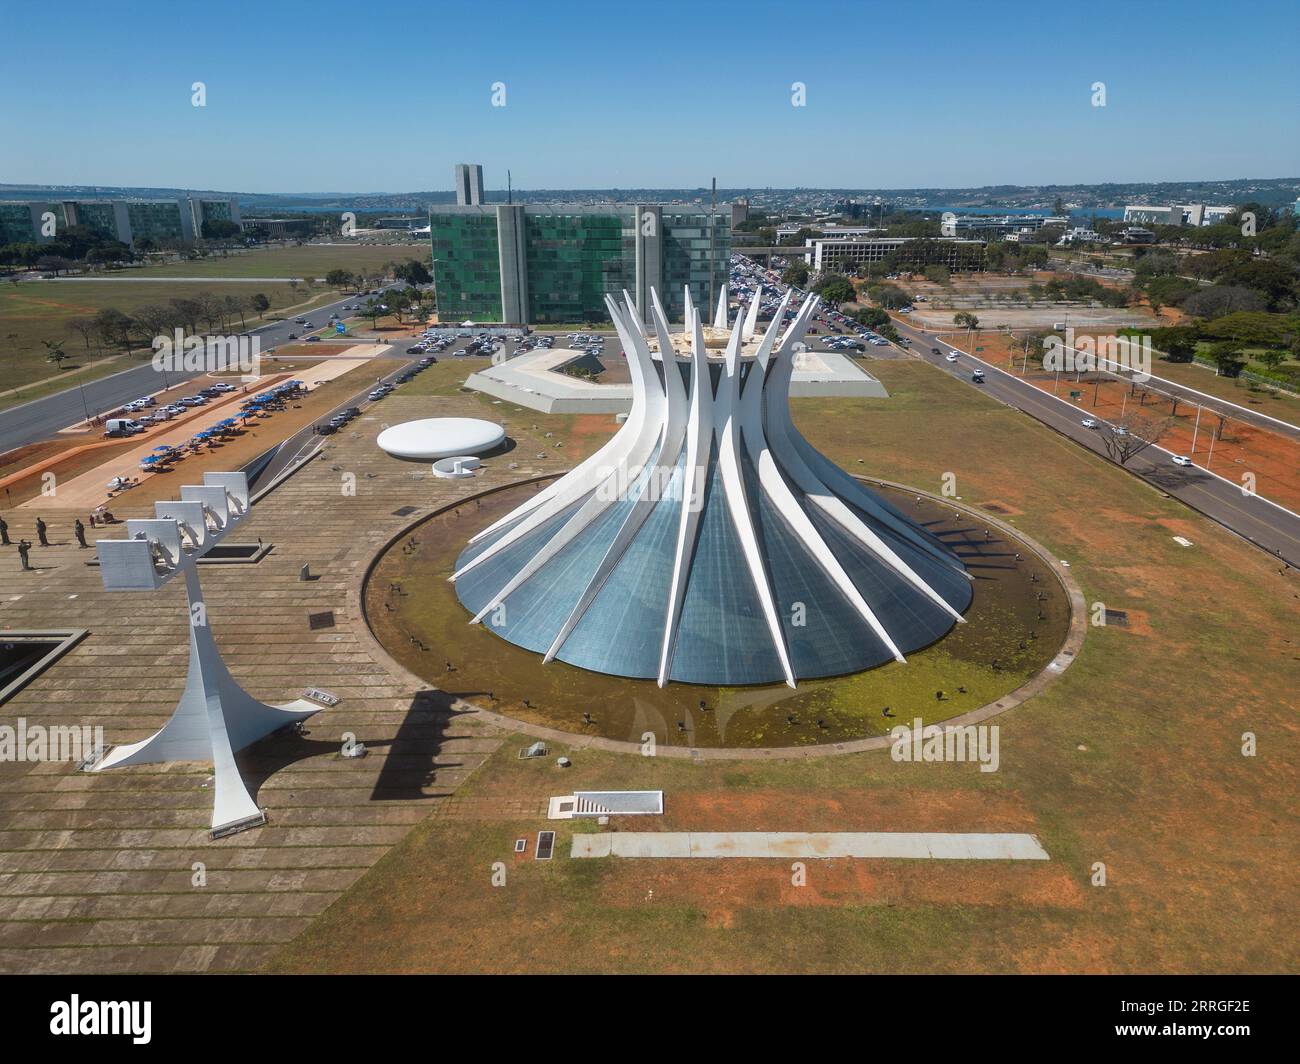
(557, 262)
(469, 184)
(127, 220)
(708, 542)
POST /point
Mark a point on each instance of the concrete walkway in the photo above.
(935, 845)
(87, 490)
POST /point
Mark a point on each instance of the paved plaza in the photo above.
(115, 871)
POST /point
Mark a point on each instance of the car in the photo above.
(312, 340)
(293, 336)
(326, 429)
(353, 411)
(1119, 430)
(1181, 459)
(300, 321)
(222, 386)
(414, 350)
(950, 357)
(977, 377)
(1088, 423)
(376, 395)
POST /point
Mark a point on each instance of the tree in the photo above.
(834, 288)
(966, 320)
(114, 327)
(210, 309)
(413, 272)
(371, 309)
(1178, 342)
(260, 304)
(796, 274)
(889, 296)
(234, 305)
(1219, 300)
(55, 352)
(1228, 359)
(338, 278)
(871, 317)
(219, 229)
(1132, 434)
(83, 327)
(156, 320)
(397, 303)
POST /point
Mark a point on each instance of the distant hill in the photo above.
(1268, 191)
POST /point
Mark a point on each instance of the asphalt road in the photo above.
(1267, 526)
(42, 418)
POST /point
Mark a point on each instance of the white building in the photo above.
(1195, 214)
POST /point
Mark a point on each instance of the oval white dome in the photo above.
(440, 437)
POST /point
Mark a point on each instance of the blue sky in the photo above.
(327, 96)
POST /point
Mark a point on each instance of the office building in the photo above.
(845, 255)
(1193, 214)
(539, 263)
(469, 184)
(129, 220)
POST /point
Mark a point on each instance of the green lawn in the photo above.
(314, 260)
(33, 311)
(1132, 759)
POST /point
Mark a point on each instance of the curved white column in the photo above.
(733, 483)
(704, 435)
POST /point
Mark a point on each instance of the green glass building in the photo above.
(553, 263)
(128, 220)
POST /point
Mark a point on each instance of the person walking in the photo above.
(79, 530)
(40, 533)
(4, 532)
(23, 547)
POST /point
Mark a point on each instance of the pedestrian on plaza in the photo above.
(92, 521)
(79, 530)
(40, 533)
(23, 547)
(4, 532)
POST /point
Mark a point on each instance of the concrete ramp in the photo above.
(815, 845)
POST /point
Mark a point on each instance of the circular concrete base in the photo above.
(455, 468)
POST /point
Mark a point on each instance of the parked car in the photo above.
(326, 429)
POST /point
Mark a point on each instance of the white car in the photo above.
(1088, 423)
(951, 357)
(1181, 459)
